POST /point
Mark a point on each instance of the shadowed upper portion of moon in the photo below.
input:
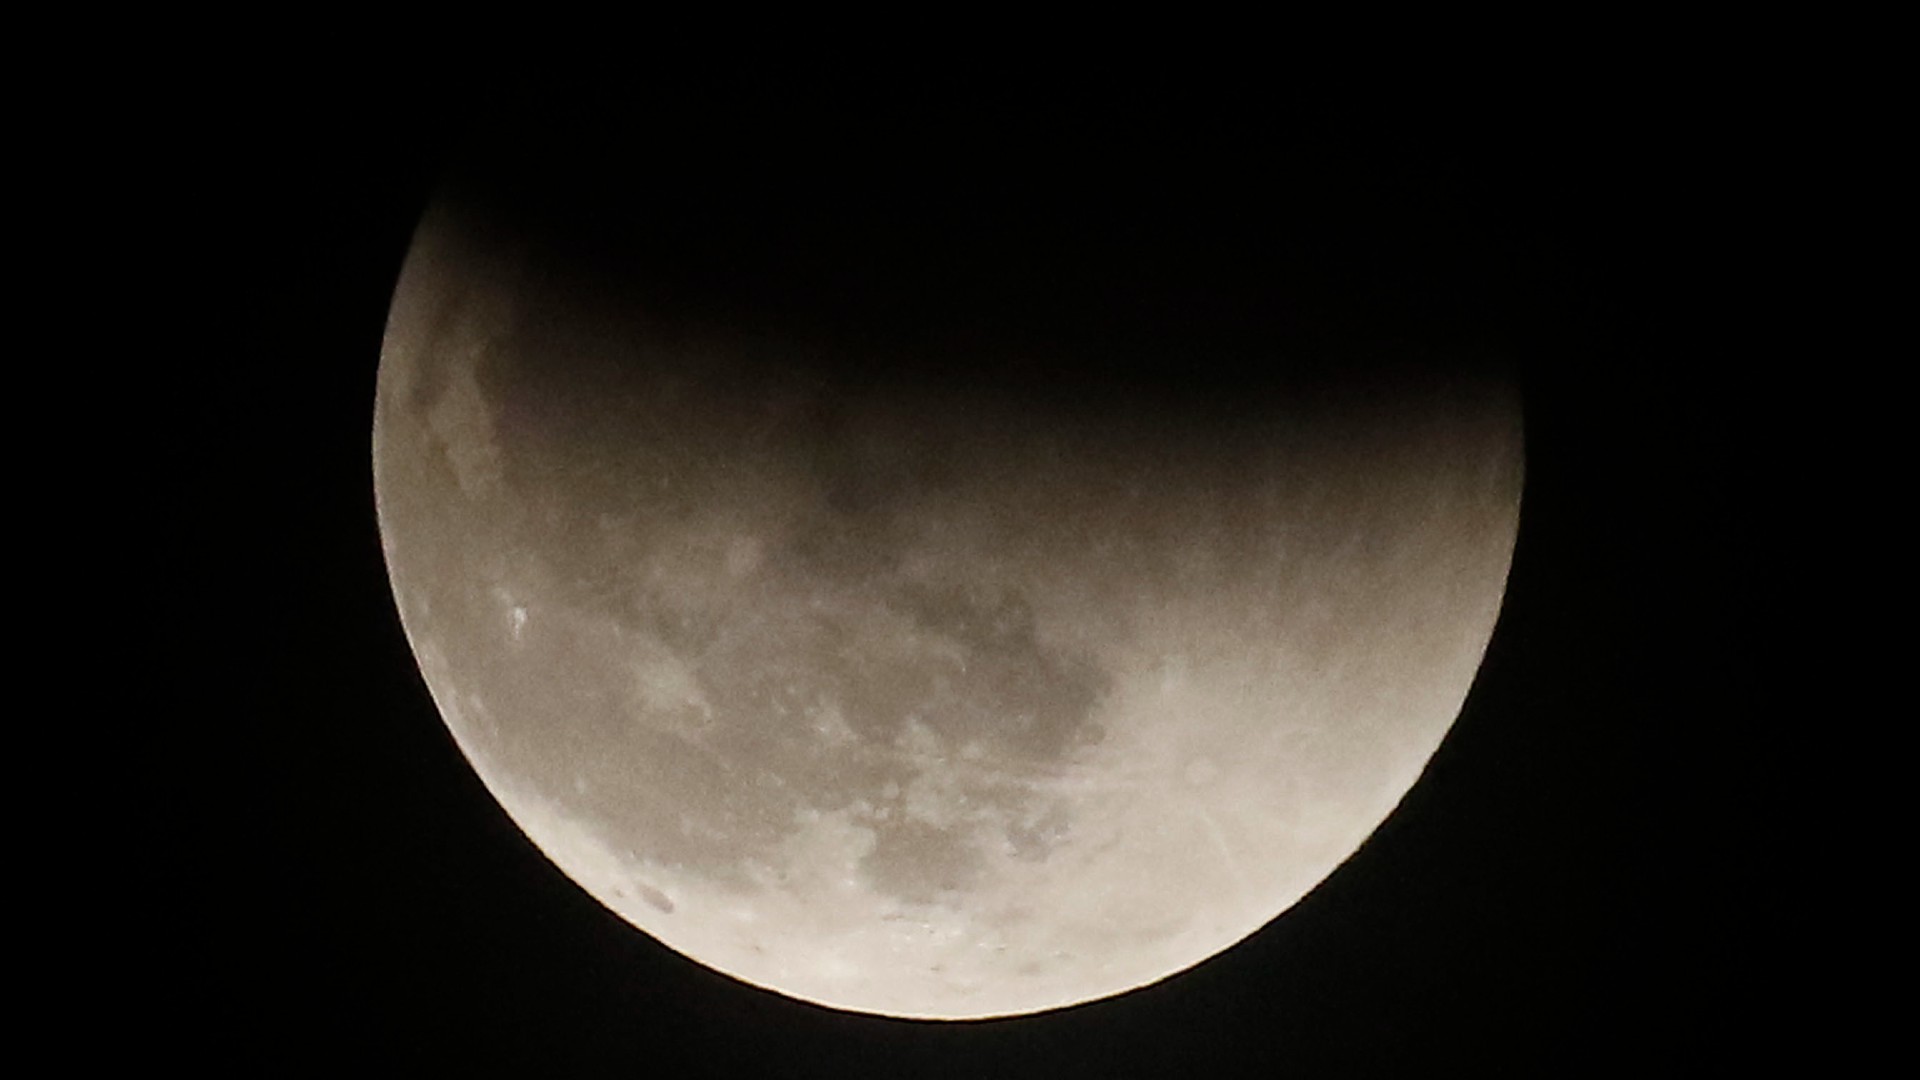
(948, 664)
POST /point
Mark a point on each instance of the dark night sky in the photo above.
(1546, 898)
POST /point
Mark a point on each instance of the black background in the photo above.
(1552, 896)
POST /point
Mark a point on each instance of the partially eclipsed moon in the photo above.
(909, 697)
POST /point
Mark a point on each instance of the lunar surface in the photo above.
(919, 696)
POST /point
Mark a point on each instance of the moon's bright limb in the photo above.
(915, 699)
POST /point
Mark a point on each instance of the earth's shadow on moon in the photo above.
(842, 565)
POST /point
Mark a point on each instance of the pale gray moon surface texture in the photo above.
(913, 699)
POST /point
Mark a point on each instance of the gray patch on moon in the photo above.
(921, 863)
(654, 897)
(1033, 838)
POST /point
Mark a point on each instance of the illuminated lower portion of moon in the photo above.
(912, 700)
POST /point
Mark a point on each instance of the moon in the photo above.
(893, 677)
